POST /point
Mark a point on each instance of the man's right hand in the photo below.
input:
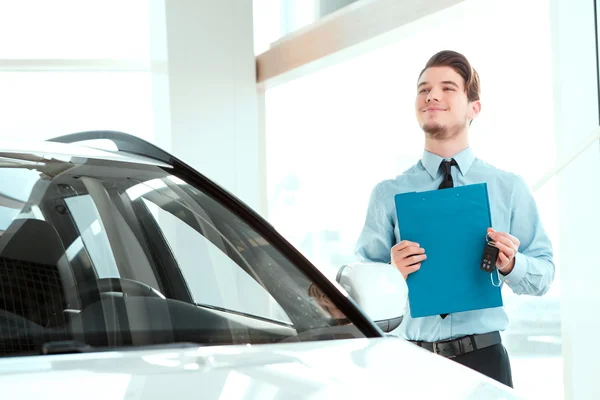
(407, 257)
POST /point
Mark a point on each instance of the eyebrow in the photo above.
(450, 83)
(443, 82)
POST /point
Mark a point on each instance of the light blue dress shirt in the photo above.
(513, 211)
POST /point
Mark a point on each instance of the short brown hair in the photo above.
(460, 64)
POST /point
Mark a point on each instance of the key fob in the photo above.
(490, 255)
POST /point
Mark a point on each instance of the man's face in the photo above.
(442, 107)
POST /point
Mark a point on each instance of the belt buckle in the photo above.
(435, 351)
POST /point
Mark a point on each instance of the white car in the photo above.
(128, 275)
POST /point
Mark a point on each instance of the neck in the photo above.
(447, 148)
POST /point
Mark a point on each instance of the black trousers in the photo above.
(491, 361)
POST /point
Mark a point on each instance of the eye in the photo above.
(423, 91)
(449, 89)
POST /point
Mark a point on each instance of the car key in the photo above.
(490, 255)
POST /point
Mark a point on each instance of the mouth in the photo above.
(433, 109)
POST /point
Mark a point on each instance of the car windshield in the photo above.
(98, 254)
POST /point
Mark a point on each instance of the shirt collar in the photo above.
(432, 162)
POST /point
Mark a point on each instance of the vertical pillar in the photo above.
(204, 91)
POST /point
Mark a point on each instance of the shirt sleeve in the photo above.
(376, 238)
(534, 268)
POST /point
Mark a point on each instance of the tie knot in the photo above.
(447, 165)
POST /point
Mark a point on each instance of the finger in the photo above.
(403, 262)
(404, 244)
(505, 241)
(509, 252)
(410, 251)
(412, 268)
(508, 236)
(400, 256)
(416, 259)
(502, 261)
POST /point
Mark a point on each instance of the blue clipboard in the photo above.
(451, 225)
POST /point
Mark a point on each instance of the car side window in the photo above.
(92, 235)
(214, 279)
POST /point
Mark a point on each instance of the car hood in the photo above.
(358, 368)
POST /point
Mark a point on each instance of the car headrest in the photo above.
(31, 240)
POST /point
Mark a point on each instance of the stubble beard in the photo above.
(440, 132)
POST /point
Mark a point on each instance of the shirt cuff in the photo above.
(518, 273)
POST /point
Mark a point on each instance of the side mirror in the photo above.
(379, 289)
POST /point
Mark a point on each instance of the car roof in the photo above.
(46, 149)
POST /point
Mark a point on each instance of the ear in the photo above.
(474, 109)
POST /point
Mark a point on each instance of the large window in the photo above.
(39, 105)
(274, 19)
(74, 29)
(332, 135)
(74, 65)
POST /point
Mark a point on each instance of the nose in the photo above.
(433, 95)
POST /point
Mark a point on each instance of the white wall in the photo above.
(204, 90)
(576, 117)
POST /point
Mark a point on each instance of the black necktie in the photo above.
(446, 167)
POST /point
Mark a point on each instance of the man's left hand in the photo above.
(508, 246)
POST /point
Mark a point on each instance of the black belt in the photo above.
(462, 345)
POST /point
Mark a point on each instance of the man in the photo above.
(447, 102)
(328, 307)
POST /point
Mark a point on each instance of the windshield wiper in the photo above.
(65, 347)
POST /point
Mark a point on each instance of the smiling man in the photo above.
(447, 102)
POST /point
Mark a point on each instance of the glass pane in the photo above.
(93, 236)
(14, 196)
(75, 29)
(274, 19)
(230, 286)
(333, 135)
(40, 105)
